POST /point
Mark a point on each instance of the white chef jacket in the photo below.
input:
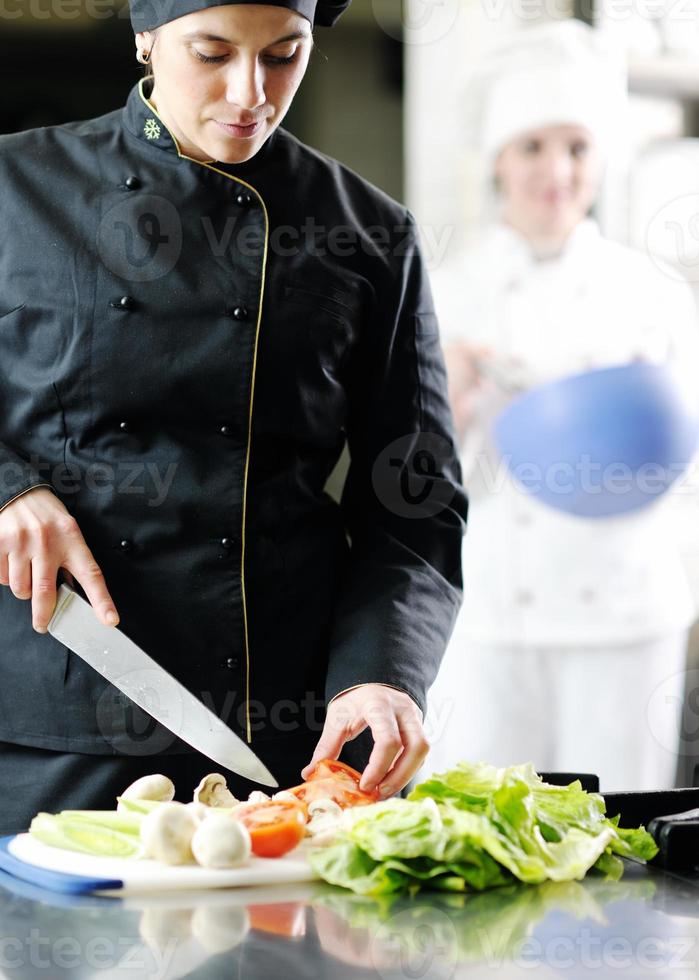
(532, 574)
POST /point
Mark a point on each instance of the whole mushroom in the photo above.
(160, 926)
(221, 841)
(200, 811)
(220, 928)
(167, 833)
(156, 788)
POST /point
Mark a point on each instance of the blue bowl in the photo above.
(602, 443)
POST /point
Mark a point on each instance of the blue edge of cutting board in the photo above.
(56, 881)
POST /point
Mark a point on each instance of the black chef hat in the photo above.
(148, 14)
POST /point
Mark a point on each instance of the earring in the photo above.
(143, 56)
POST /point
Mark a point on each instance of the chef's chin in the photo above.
(232, 150)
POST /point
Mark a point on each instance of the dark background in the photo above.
(56, 67)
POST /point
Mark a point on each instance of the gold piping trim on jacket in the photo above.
(183, 156)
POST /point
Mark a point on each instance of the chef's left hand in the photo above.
(395, 721)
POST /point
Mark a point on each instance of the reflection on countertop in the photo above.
(645, 924)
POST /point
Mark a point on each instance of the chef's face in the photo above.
(548, 179)
(226, 65)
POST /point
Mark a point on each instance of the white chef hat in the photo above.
(562, 72)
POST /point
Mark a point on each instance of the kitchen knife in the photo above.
(117, 658)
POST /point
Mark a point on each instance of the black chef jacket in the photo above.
(185, 348)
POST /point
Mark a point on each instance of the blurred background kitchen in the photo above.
(385, 94)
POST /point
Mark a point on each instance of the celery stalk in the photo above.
(87, 836)
(125, 823)
(138, 806)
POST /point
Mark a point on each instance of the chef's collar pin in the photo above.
(151, 129)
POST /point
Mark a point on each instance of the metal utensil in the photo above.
(117, 658)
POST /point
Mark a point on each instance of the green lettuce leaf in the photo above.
(477, 827)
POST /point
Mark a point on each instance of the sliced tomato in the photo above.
(333, 789)
(333, 767)
(330, 779)
(286, 919)
(276, 827)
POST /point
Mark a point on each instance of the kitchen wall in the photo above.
(650, 196)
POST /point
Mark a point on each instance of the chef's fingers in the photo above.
(43, 592)
(387, 745)
(415, 749)
(20, 575)
(4, 570)
(80, 562)
(341, 725)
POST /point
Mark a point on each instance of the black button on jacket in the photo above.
(185, 348)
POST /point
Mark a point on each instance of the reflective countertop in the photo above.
(647, 924)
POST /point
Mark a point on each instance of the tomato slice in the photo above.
(333, 767)
(276, 826)
(330, 779)
(286, 919)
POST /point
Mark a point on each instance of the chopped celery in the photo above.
(138, 806)
(80, 834)
(125, 823)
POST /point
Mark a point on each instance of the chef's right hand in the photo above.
(37, 537)
(463, 380)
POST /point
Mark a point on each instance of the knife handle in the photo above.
(677, 837)
(658, 822)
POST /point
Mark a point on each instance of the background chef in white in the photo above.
(569, 624)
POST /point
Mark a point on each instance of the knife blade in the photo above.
(118, 659)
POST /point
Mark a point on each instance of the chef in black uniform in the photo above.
(197, 312)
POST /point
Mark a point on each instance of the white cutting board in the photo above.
(148, 876)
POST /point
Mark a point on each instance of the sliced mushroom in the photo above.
(324, 821)
(325, 805)
(213, 791)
